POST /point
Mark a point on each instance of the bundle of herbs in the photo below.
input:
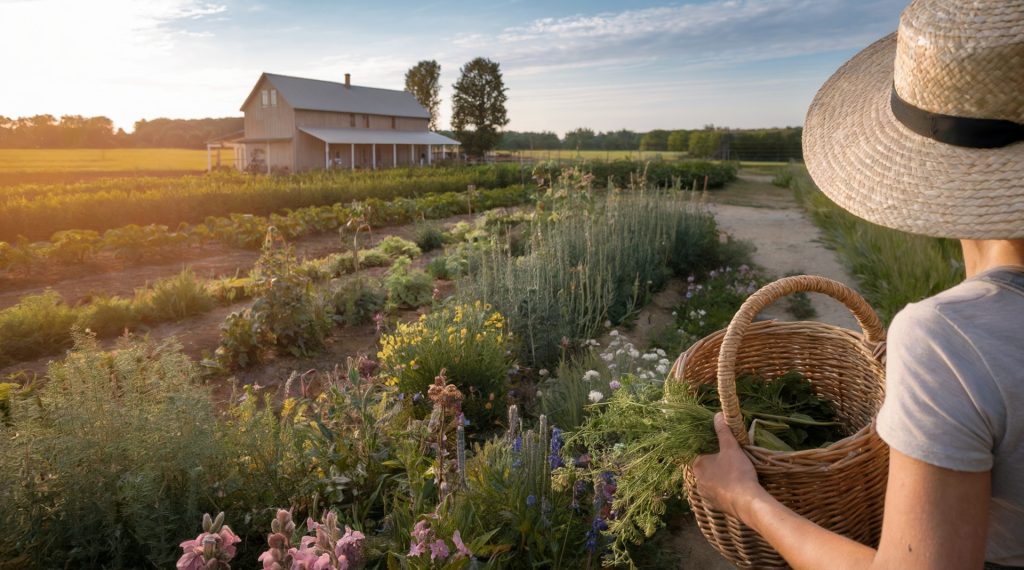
(645, 438)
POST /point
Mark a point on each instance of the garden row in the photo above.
(135, 243)
(38, 211)
(451, 449)
(41, 325)
(892, 268)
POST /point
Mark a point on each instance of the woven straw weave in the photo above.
(841, 487)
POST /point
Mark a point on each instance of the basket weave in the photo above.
(841, 487)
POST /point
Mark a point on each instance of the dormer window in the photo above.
(268, 97)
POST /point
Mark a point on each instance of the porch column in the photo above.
(352, 161)
(430, 154)
(444, 152)
(394, 155)
(373, 155)
(268, 157)
(327, 156)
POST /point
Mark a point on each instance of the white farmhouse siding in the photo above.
(295, 124)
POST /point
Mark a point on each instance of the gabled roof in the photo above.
(317, 95)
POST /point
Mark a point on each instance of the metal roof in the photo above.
(377, 136)
(318, 95)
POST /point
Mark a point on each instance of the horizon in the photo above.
(655, 65)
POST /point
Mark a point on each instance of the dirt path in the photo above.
(787, 241)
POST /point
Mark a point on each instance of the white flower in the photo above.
(634, 353)
(595, 396)
(608, 324)
(665, 361)
(543, 372)
(591, 375)
(607, 357)
(661, 369)
(539, 393)
(613, 333)
(650, 356)
(660, 352)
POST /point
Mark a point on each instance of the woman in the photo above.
(923, 131)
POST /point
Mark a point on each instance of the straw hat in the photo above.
(923, 131)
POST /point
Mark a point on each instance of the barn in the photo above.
(293, 124)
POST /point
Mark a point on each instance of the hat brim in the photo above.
(871, 165)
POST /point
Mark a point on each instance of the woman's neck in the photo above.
(984, 254)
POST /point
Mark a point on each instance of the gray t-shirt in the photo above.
(955, 393)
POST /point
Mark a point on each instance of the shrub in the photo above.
(471, 341)
(394, 246)
(36, 326)
(108, 461)
(108, 316)
(174, 298)
(373, 258)
(356, 302)
(407, 287)
(428, 236)
(288, 313)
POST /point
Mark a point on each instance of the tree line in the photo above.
(778, 144)
(76, 131)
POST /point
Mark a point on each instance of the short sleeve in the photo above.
(937, 390)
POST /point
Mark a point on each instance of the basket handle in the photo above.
(865, 315)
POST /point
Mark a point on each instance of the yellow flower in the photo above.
(463, 333)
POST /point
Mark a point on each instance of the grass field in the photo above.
(106, 160)
(594, 154)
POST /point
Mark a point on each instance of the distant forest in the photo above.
(74, 131)
(780, 144)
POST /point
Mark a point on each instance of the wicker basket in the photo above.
(841, 487)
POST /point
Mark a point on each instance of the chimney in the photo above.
(348, 80)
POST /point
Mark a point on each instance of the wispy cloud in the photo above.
(718, 31)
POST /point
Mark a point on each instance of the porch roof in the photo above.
(377, 136)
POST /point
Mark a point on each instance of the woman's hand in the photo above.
(727, 479)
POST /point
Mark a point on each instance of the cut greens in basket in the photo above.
(646, 437)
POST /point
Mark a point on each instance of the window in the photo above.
(393, 122)
(352, 120)
(366, 121)
(273, 97)
(265, 98)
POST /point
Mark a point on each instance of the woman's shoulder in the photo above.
(974, 304)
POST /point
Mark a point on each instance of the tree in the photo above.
(679, 141)
(478, 106)
(423, 80)
(655, 140)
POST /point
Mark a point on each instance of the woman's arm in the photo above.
(934, 517)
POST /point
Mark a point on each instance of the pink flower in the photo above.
(192, 559)
(421, 531)
(417, 549)
(438, 549)
(350, 546)
(302, 559)
(461, 546)
(228, 540)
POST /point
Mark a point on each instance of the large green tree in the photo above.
(423, 80)
(478, 106)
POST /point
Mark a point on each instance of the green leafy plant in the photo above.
(174, 298)
(394, 247)
(428, 236)
(407, 287)
(357, 302)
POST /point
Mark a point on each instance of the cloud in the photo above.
(689, 34)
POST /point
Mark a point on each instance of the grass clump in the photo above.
(892, 268)
(175, 298)
(428, 236)
(38, 325)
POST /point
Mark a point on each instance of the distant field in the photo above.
(105, 160)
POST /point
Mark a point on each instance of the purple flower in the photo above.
(531, 500)
(614, 384)
(556, 446)
(517, 444)
(438, 549)
(417, 549)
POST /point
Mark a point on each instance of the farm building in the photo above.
(294, 124)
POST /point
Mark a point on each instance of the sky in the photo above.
(638, 65)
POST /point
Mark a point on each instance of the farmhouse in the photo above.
(294, 124)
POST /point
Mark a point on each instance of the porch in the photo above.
(375, 148)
